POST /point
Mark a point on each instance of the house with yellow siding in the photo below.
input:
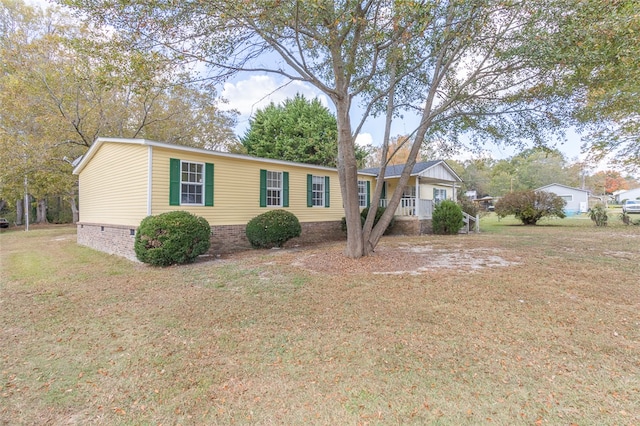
(122, 181)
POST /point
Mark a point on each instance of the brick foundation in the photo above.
(411, 226)
(111, 239)
(119, 240)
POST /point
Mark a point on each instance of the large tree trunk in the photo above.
(41, 211)
(373, 237)
(74, 208)
(348, 174)
(19, 211)
(378, 230)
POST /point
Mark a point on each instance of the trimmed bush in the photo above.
(447, 218)
(172, 238)
(273, 229)
(363, 217)
(531, 206)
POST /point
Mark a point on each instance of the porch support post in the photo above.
(417, 200)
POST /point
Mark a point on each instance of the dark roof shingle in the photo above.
(396, 170)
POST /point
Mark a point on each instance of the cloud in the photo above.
(256, 92)
(364, 139)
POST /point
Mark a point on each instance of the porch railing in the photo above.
(407, 207)
(468, 219)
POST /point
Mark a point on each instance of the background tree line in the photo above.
(534, 168)
(63, 83)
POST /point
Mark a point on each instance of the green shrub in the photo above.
(272, 229)
(468, 206)
(598, 214)
(447, 218)
(172, 238)
(531, 206)
(363, 218)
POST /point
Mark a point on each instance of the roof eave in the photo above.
(100, 141)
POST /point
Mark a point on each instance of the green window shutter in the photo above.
(326, 192)
(384, 191)
(435, 192)
(309, 190)
(263, 188)
(368, 193)
(174, 182)
(285, 189)
(208, 184)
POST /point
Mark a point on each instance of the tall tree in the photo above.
(62, 85)
(475, 175)
(607, 182)
(539, 167)
(597, 51)
(460, 66)
(397, 152)
(298, 130)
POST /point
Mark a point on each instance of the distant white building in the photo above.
(577, 199)
(632, 194)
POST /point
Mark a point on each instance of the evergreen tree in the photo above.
(299, 130)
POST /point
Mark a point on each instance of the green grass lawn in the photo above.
(549, 336)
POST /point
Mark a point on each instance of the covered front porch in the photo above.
(430, 182)
(412, 207)
(420, 195)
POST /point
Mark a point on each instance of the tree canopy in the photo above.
(297, 130)
(64, 83)
(596, 51)
(534, 168)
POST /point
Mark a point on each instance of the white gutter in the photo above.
(96, 145)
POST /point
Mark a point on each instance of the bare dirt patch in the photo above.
(403, 258)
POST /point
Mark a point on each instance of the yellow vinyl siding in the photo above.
(426, 191)
(236, 190)
(113, 185)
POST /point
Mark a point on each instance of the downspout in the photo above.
(149, 179)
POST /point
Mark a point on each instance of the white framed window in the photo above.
(567, 198)
(274, 189)
(318, 191)
(191, 183)
(439, 195)
(363, 196)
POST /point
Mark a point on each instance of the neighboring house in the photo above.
(472, 195)
(632, 194)
(577, 199)
(122, 181)
(430, 183)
